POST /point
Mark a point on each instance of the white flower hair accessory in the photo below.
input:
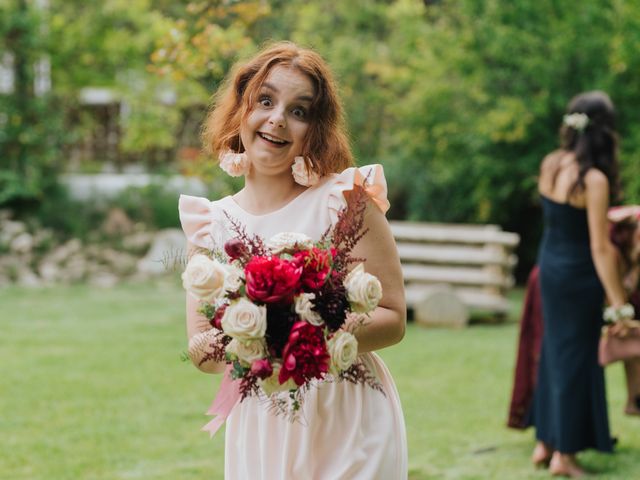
(577, 121)
(234, 164)
(303, 175)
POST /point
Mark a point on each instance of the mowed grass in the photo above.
(92, 387)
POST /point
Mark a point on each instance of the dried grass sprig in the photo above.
(358, 373)
(254, 242)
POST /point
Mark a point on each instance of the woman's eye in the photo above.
(265, 101)
(299, 112)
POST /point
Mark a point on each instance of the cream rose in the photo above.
(289, 242)
(233, 280)
(304, 308)
(343, 349)
(234, 164)
(245, 320)
(364, 290)
(271, 384)
(301, 174)
(246, 351)
(204, 278)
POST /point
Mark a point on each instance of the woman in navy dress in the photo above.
(577, 269)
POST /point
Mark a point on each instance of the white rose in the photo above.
(204, 278)
(245, 320)
(234, 164)
(364, 290)
(271, 384)
(234, 278)
(247, 351)
(343, 349)
(301, 174)
(288, 242)
(303, 306)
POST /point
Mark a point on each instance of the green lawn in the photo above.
(92, 387)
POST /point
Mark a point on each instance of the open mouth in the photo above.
(273, 140)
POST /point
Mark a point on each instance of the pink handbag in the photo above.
(613, 348)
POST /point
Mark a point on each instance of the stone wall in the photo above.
(31, 256)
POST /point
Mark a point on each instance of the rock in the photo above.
(22, 243)
(117, 223)
(440, 306)
(138, 242)
(119, 262)
(9, 230)
(26, 278)
(166, 252)
(75, 268)
(61, 254)
(49, 272)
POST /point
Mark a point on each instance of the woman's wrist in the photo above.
(613, 314)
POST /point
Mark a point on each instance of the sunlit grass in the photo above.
(92, 387)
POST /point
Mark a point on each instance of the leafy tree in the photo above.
(31, 129)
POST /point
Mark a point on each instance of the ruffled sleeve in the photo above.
(196, 217)
(371, 177)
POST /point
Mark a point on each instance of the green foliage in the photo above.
(459, 99)
(70, 218)
(31, 127)
(153, 205)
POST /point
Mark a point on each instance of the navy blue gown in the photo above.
(570, 405)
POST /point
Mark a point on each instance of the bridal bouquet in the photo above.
(283, 310)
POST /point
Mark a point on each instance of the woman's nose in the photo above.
(277, 118)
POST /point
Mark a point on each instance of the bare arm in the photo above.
(388, 321)
(197, 326)
(603, 252)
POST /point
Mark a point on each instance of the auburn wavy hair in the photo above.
(326, 142)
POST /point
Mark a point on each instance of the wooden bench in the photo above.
(451, 270)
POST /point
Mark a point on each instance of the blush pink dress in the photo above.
(346, 431)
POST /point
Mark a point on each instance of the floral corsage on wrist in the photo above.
(615, 314)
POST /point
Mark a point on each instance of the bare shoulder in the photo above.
(596, 188)
(595, 179)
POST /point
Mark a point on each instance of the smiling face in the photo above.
(274, 131)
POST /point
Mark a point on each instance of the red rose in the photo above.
(272, 279)
(235, 249)
(216, 321)
(305, 355)
(317, 264)
(262, 368)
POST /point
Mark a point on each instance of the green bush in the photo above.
(70, 218)
(154, 205)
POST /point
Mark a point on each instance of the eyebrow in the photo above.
(306, 98)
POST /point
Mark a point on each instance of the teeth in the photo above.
(272, 139)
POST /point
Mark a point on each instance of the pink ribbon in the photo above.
(227, 397)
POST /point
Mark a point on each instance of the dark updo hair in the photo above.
(595, 146)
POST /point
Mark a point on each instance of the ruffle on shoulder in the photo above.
(196, 216)
(371, 177)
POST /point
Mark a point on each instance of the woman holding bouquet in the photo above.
(278, 122)
(577, 268)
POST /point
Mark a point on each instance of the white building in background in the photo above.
(7, 76)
